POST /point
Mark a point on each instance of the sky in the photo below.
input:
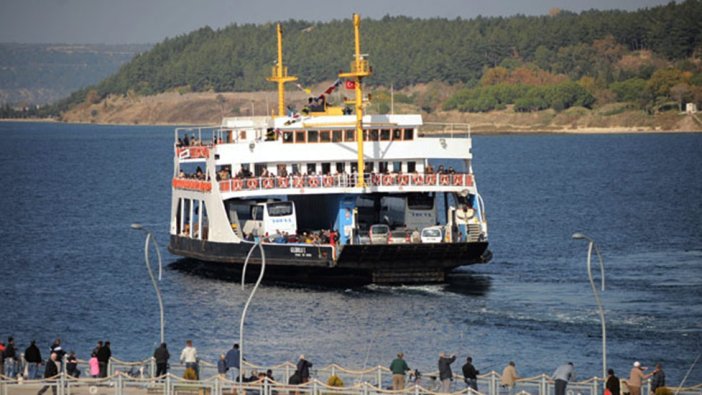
(151, 21)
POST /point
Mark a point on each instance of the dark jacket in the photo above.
(657, 381)
(469, 371)
(104, 354)
(445, 367)
(32, 354)
(10, 351)
(51, 369)
(232, 358)
(613, 384)
(161, 354)
(303, 367)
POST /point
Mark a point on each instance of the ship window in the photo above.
(396, 167)
(397, 134)
(287, 137)
(299, 136)
(385, 135)
(374, 135)
(312, 136)
(369, 167)
(326, 168)
(295, 169)
(354, 167)
(258, 169)
(382, 167)
(324, 136)
(311, 168)
(365, 135)
(336, 136)
(349, 135)
(339, 167)
(408, 134)
(242, 135)
(411, 167)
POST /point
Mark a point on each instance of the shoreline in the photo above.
(477, 131)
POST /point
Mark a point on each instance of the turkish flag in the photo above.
(350, 84)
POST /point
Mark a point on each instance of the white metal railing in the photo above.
(449, 129)
(137, 377)
(355, 382)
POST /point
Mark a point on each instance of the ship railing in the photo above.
(445, 129)
(332, 379)
(346, 181)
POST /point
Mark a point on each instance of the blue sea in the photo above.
(72, 267)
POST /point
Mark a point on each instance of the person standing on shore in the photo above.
(33, 357)
(103, 355)
(398, 367)
(303, 367)
(10, 357)
(189, 357)
(636, 376)
(612, 383)
(509, 377)
(445, 373)
(232, 360)
(161, 356)
(562, 376)
(470, 374)
(51, 370)
(658, 379)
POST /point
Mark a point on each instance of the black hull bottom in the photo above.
(357, 264)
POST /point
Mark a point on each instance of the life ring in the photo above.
(297, 182)
(387, 179)
(224, 186)
(237, 185)
(444, 179)
(328, 181)
(252, 183)
(417, 179)
(283, 182)
(313, 181)
(404, 179)
(268, 183)
(375, 179)
(458, 180)
(469, 180)
(430, 179)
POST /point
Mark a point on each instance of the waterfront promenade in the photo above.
(135, 378)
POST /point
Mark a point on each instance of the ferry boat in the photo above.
(331, 194)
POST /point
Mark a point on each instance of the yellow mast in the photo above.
(359, 70)
(280, 74)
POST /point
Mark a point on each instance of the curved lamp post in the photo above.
(248, 301)
(591, 246)
(150, 237)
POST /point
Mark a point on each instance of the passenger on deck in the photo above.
(186, 141)
(441, 170)
(428, 170)
(451, 171)
(199, 174)
(283, 172)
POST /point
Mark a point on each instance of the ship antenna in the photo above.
(359, 70)
(279, 73)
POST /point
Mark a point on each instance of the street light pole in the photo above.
(149, 238)
(248, 301)
(591, 246)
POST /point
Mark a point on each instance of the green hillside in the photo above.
(600, 50)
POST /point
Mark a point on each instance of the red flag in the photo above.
(350, 84)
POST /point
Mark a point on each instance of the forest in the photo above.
(650, 58)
